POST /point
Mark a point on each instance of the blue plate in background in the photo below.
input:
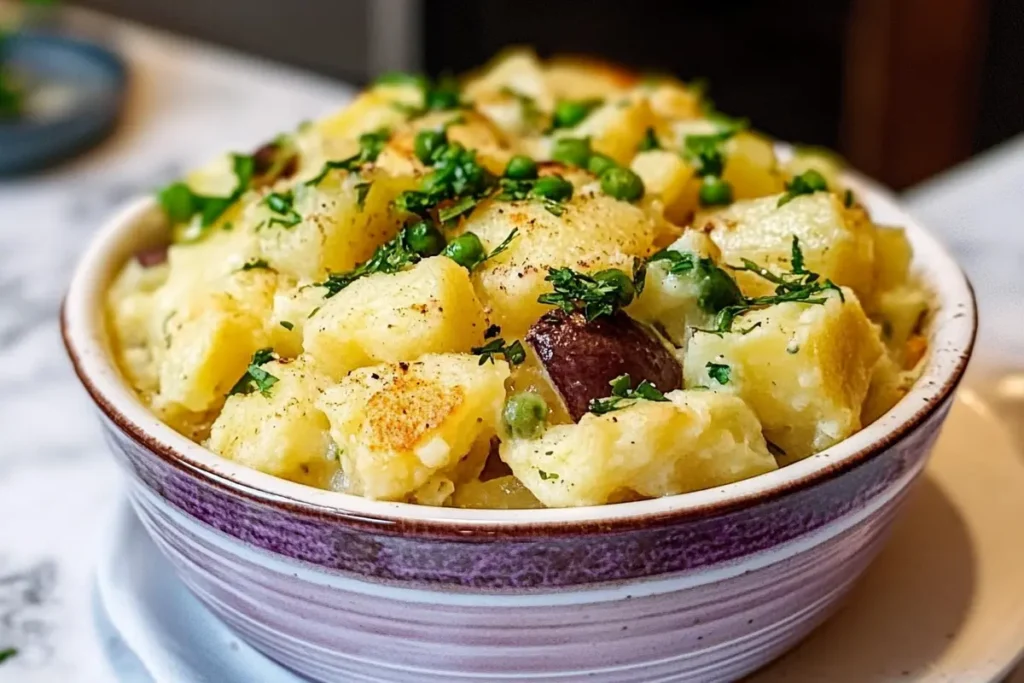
(74, 94)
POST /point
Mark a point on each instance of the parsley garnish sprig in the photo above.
(370, 146)
(457, 177)
(282, 206)
(514, 353)
(624, 395)
(255, 377)
(602, 293)
(808, 182)
(390, 257)
(180, 203)
(440, 95)
(798, 286)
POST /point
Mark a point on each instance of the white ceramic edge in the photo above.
(954, 319)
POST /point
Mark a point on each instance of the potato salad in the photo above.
(543, 284)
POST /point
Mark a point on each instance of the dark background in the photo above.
(903, 88)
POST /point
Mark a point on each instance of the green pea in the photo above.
(442, 95)
(525, 414)
(521, 167)
(717, 289)
(424, 239)
(466, 250)
(553, 187)
(715, 192)
(572, 151)
(427, 143)
(622, 283)
(179, 202)
(622, 183)
(599, 163)
(568, 113)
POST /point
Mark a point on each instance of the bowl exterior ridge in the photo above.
(524, 562)
(691, 625)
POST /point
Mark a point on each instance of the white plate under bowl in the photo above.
(943, 603)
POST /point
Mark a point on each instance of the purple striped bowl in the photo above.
(706, 586)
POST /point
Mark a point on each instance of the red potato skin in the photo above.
(582, 358)
(264, 158)
(153, 256)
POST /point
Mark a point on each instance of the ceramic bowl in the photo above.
(705, 586)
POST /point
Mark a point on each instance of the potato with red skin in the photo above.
(582, 358)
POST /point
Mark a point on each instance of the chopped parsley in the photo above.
(706, 153)
(623, 395)
(287, 325)
(551, 191)
(798, 286)
(719, 372)
(7, 653)
(503, 246)
(649, 141)
(390, 257)
(370, 146)
(514, 353)
(255, 264)
(602, 293)
(180, 203)
(492, 332)
(457, 177)
(440, 95)
(808, 182)
(255, 377)
(282, 205)
(848, 198)
(547, 476)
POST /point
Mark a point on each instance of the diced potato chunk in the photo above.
(670, 302)
(824, 161)
(893, 255)
(517, 70)
(283, 433)
(576, 78)
(888, 385)
(664, 173)
(838, 243)
(594, 232)
(430, 308)
(370, 111)
(750, 166)
(804, 369)
(399, 425)
(207, 351)
(335, 232)
(901, 310)
(672, 100)
(616, 127)
(129, 307)
(696, 440)
(465, 127)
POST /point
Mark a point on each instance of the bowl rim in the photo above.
(83, 328)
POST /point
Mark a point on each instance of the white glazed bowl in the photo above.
(705, 586)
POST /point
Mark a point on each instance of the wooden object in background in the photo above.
(913, 73)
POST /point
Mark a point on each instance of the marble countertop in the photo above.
(57, 485)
